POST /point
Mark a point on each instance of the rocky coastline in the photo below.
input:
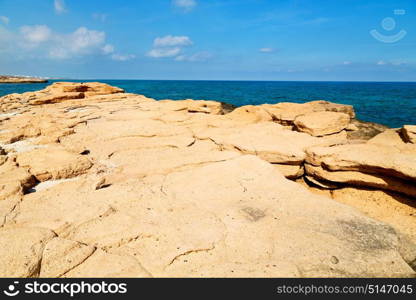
(96, 182)
(21, 79)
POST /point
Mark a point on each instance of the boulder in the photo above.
(322, 123)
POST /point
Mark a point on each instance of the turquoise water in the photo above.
(388, 103)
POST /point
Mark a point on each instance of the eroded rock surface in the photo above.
(96, 182)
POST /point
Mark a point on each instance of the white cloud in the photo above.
(108, 49)
(5, 20)
(60, 6)
(169, 46)
(199, 56)
(186, 5)
(36, 34)
(346, 63)
(381, 63)
(121, 57)
(164, 52)
(41, 41)
(81, 42)
(266, 50)
(170, 40)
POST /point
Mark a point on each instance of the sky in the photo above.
(322, 40)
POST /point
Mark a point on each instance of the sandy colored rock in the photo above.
(290, 171)
(21, 79)
(61, 256)
(391, 208)
(57, 92)
(409, 133)
(165, 189)
(53, 163)
(322, 123)
(362, 180)
(163, 161)
(286, 113)
(263, 140)
(233, 198)
(366, 158)
(249, 114)
(389, 137)
(14, 180)
(104, 265)
(21, 253)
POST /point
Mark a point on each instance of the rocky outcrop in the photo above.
(119, 185)
(21, 79)
(384, 162)
(57, 92)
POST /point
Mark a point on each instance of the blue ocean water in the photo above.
(389, 103)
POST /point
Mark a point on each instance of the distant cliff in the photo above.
(20, 79)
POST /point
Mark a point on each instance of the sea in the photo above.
(388, 103)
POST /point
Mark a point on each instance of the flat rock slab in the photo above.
(322, 123)
(22, 249)
(366, 158)
(269, 141)
(61, 255)
(53, 163)
(360, 179)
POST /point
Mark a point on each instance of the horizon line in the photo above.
(245, 80)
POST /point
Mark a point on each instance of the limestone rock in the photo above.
(290, 171)
(366, 158)
(104, 265)
(286, 113)
(234, 198)
(165, 189)
(22, 250)
(322, 123)
(409, 133)
(362, 180)
(387, 207)
(14, 180)
(264, 140)
(61, 256)
(53, 163)
(21, 79)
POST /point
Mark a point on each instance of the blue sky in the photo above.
(210, 39)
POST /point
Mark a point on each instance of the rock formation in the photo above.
(96, 182)
(21, 79)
